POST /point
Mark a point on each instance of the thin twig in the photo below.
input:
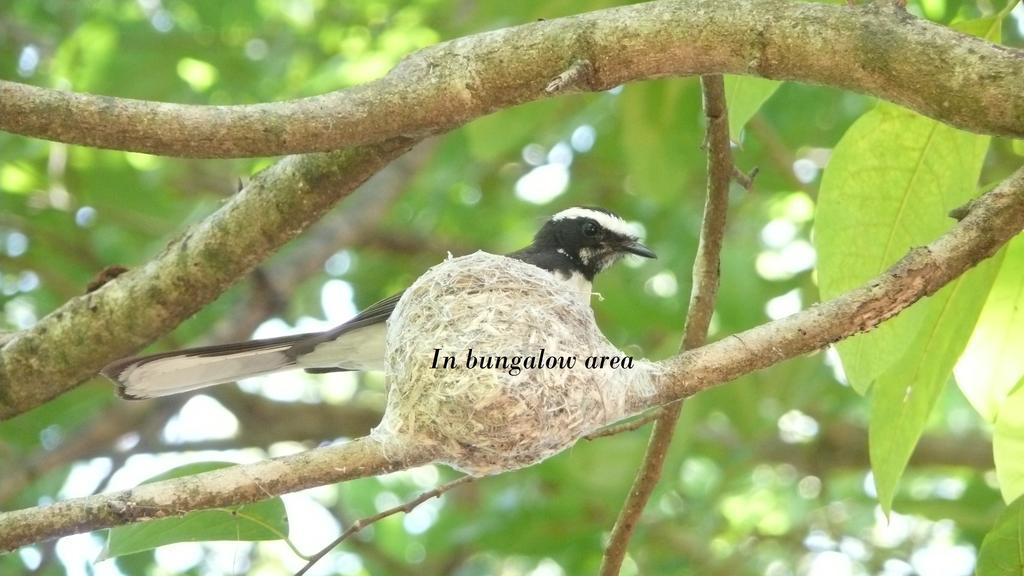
(577, 74)
(745, 180)
(627, 426)
(698, 318)
(372, 554)
(364, 522)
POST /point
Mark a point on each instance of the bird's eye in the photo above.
(590, 229)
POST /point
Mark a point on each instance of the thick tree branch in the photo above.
(296, 422)
(874, 48)
(223, 487)
(293, 422)
(74, 342)
(698, 317)
(992, 221)
(353, 224)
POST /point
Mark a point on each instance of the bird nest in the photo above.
(485, 420)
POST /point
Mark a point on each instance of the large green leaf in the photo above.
(887, 188)
(905, 394)
(992, 363)
(907, 390)
(264, 520)
(1002, 551)
(745, 95)
(1008, 445)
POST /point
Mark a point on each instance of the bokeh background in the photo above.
(768, 475)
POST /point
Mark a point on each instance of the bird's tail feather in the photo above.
(175, 372)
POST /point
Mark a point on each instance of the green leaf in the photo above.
(887, 188)
(745, 95)
(1002, 551)
(992, 363)
(266, 520)
(905, 394)
(1008, 445)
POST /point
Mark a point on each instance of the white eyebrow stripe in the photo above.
(607, 221)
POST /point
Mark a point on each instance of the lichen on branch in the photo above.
(69, 345)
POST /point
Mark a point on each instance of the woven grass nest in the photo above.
(488, 420)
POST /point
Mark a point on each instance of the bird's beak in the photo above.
(635, 247)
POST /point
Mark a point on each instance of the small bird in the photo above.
(574, 245)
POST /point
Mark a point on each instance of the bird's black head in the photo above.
(592, 239)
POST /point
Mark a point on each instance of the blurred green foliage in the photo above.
(768, 475)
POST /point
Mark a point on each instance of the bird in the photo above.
(574, 245)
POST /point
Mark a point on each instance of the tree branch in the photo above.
(698, 318)
(628, 425)
(353, 224)
(992, 221)
(295, 421)
(874, 48)
(74, 342)
(224, 487)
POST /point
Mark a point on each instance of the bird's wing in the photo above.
(355, 345)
